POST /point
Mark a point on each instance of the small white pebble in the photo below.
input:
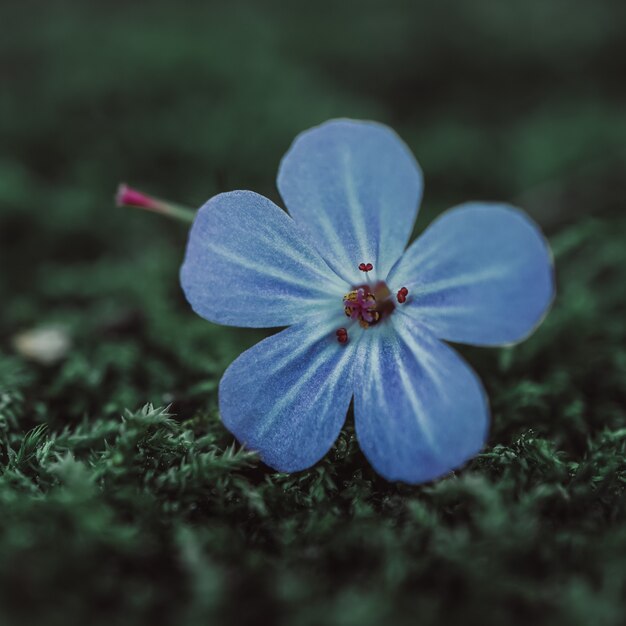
(46, 344)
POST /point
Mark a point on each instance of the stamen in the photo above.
(368, 304)
(360, 306)
(342, 335)
(366, 267)
(402, 294)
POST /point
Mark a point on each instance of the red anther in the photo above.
(366, 267)
(402, 294)
(342, 335)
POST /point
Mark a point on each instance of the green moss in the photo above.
(115, 512)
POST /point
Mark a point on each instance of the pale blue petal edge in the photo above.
(356, 187)
(248, 264)
(419, 409)
(480, 274)
(287, 396)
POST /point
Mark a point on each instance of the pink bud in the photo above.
(127, 196)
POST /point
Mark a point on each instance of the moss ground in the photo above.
(122, 498)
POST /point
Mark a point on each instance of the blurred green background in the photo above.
(113, 513)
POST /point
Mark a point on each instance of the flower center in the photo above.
(368, 304)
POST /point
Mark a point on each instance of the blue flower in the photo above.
(365, 317)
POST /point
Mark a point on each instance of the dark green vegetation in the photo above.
(111, 513)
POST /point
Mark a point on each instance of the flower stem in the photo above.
(129, 197)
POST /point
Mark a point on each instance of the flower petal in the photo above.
(249, 264)
(480, 274)
(287, 397)
(419, 410)
(357, 187)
